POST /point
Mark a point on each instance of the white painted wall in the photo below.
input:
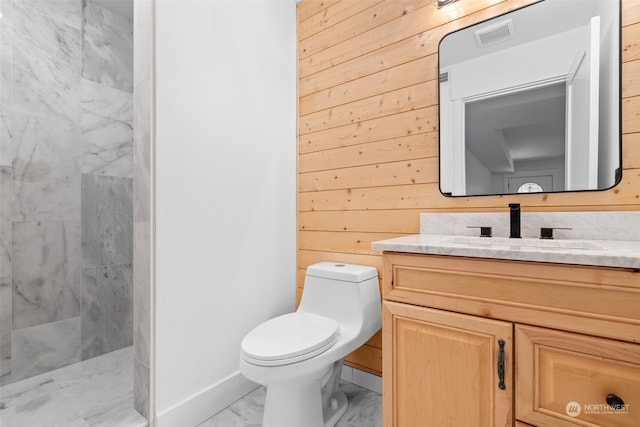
(478, 178)
(225, 198)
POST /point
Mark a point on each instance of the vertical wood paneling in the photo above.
(367, 128)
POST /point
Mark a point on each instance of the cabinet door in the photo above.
(565, 379)
(441, 368)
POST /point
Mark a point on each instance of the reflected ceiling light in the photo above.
(444, 2)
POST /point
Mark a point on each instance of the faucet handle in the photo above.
(547, 232)
(484, 231)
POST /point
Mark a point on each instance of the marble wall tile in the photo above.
(143, 102)
(107, 130)
(143, 40)
(107, 147)
(598, 225)
(45, 116)
(141, 151)
(141, 291)
(6, 30)
(107, 309)
(5, 330)
(107, 51)
(46, 174)
(45, 347)
(141, 388)
(46, 67)
(54, 126)
(107, 227)
(106, 102)
(5, 270)
(68, 12)
(46, 272)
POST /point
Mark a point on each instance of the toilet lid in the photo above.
(289, 338)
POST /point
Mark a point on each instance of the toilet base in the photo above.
(304, 407)
(293, 405)
(332, 413)
(318, 402)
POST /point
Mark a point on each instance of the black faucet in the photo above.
(514, 220)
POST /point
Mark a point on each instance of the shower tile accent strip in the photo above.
(5, 271)
(143, 79)
(6, 30)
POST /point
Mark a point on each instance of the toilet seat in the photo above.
(289, 338)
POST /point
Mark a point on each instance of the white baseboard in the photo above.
(200, 406)
(362, 379)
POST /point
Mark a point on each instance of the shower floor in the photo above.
(95, 392)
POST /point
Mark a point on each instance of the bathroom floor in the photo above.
(365, 409)
(95, 392)
(99, 393)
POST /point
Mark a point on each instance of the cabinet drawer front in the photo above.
(563, 379)
(506, 287)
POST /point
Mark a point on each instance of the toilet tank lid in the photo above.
(341, 271)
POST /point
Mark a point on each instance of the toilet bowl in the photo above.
(298, 356)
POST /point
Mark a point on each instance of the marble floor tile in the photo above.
(94, 393)
(365, 409)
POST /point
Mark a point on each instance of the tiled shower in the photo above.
(66, 184)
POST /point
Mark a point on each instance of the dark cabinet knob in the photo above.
(614, 401)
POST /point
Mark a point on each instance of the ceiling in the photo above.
(558, 16)
(522, 126)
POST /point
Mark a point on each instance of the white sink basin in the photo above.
(525, 243)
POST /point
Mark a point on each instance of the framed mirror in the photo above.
(529, 101)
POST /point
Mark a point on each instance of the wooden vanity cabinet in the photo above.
(455, 328)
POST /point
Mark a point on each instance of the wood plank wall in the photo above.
(368, 136)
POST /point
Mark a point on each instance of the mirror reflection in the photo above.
(530, 101)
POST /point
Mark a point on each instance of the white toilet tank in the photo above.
(345, 292)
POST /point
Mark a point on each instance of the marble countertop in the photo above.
(607, 253)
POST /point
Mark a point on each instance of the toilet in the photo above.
(299, 356)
